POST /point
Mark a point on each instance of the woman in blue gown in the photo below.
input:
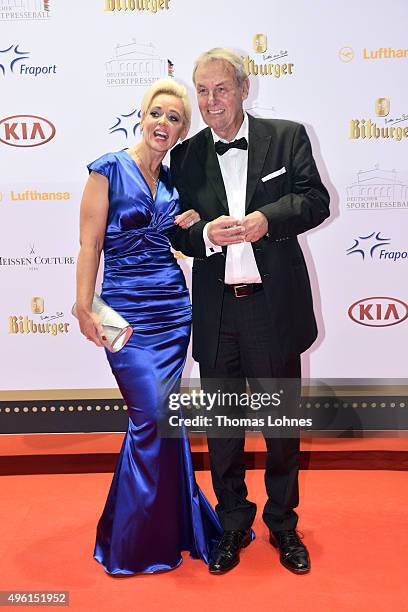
(154, 508)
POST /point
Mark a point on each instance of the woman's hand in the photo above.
(91, 327)
(187, 219)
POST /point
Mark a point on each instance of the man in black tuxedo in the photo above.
(255, 184)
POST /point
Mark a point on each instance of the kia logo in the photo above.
(378, 311)
(26, 131)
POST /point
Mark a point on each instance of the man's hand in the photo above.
(255, 225)
(226, 230)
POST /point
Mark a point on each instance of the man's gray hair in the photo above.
(228, 55)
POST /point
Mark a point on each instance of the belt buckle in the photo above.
(236, 291)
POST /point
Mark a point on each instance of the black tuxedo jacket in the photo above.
(293, 202)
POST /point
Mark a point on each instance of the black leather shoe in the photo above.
(293, 554)
(225, 555)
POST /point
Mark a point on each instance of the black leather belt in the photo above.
(243, 290)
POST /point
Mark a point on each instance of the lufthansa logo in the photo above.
(346, 54)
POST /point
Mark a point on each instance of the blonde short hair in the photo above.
(228, 55)
(172, 88)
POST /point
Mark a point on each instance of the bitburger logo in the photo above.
(268, 64)
(26, 131)
(137, 5)
(42, 324)
(367, 129)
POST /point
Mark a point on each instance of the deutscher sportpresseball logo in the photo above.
(25, 10)
(376, 189)
(136, 63)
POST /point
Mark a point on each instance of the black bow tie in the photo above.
(223, 147)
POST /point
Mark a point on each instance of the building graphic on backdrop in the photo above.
(23, 10)
(136, 64)
(259, 109)
(377, 189)
(270, 63)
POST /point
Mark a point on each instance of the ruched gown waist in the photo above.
(142, 280)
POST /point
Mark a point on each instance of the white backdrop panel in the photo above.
(94, 68)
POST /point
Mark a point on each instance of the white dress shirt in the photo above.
(240, 265)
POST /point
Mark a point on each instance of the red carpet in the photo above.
(354, 523)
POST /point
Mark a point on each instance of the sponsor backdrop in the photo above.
(72, 76)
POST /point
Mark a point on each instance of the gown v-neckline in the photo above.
(153, 197)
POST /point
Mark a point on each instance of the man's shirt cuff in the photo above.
(210, 248)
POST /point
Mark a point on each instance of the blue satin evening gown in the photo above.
(154, 508)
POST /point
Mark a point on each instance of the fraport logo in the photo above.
(127, 124)
(16, 62)
(373, 246)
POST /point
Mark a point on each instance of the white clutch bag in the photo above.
(117, 330)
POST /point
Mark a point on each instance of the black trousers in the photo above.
(245, 354)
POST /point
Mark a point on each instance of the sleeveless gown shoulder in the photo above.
(154, 509)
